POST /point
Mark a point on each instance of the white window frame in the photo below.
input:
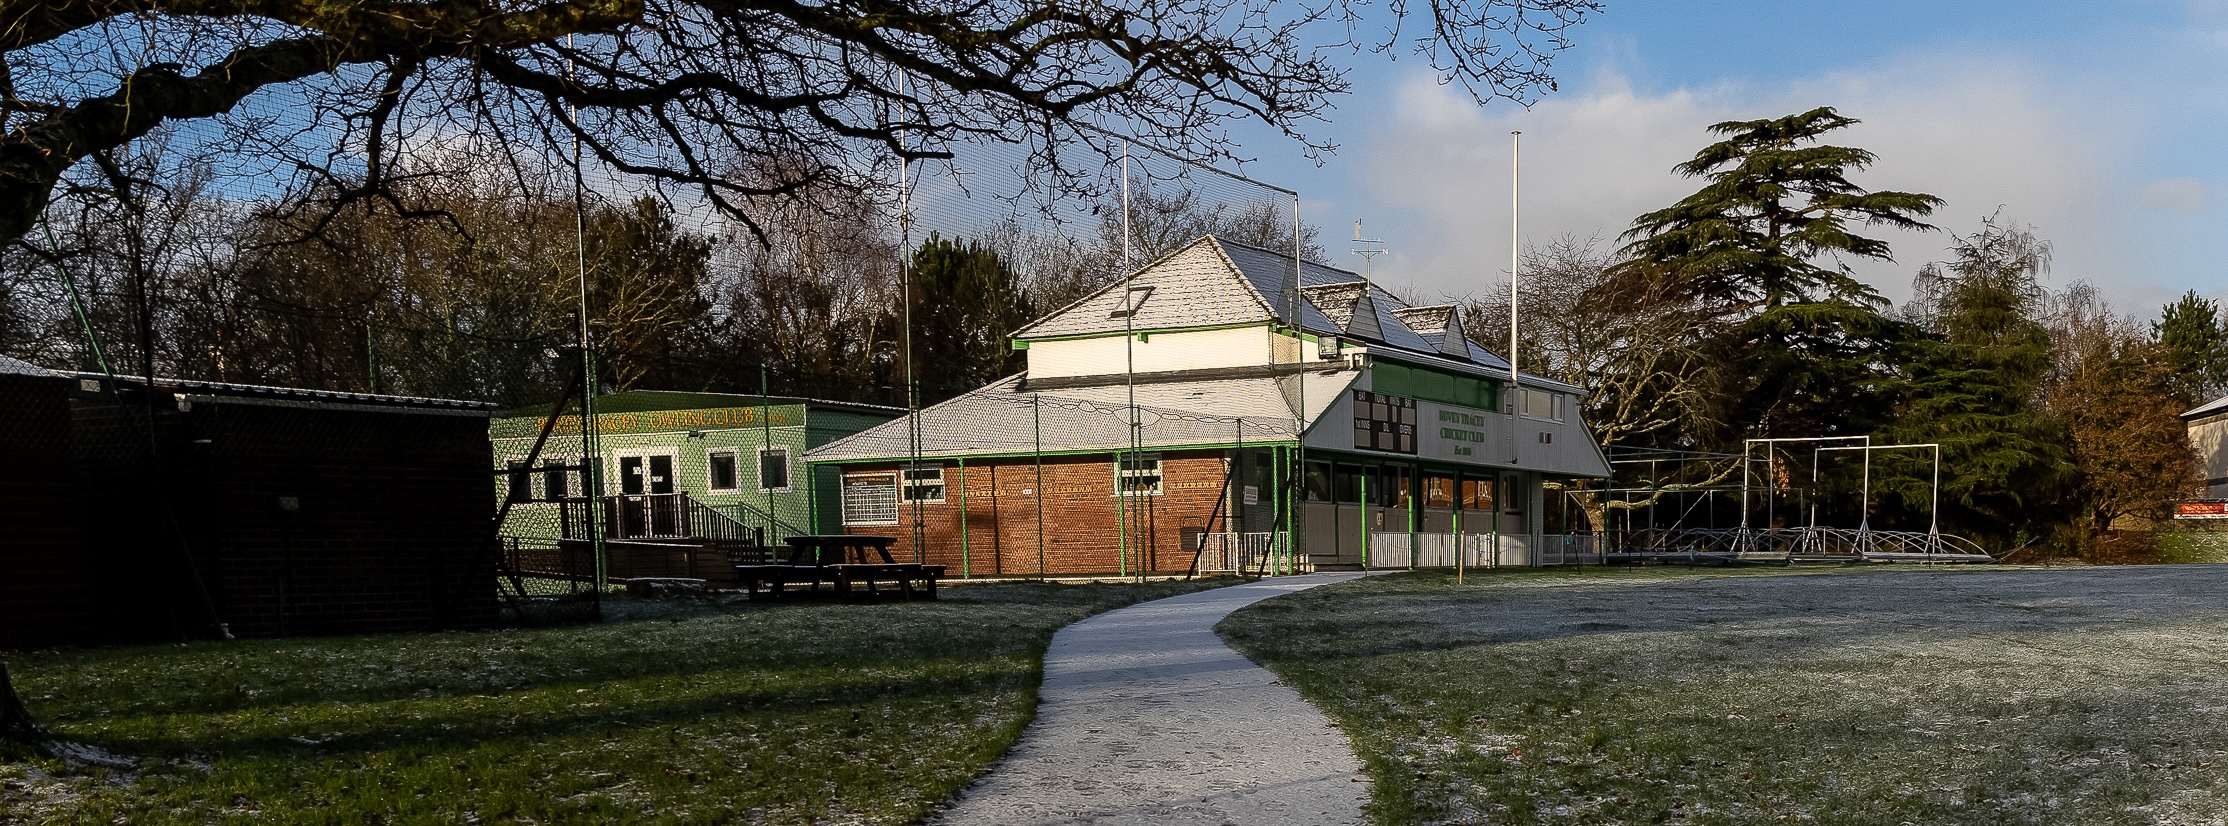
(711, 483)
(851, 517)
(1123, 473)
(1555, 405)
(788, 469)
(911, 482)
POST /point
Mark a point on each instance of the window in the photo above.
(1477, 494)
(1140, 475)
(1383, 422)
(555, 484)
(773, 468)
(520, 488)
(870, 499)
(1543, 404)
(1318, 482)
(924, 485)
(1131, 300)
(719, 471)
(1438, 491)
(1513, 494)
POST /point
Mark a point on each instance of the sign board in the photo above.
(1252, 495)
(2217, 509)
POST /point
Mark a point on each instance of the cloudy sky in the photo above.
(2102, 125)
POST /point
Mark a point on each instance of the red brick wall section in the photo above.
(1082, 518)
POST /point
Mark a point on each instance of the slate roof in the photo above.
(1001, 417)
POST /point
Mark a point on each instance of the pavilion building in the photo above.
(1223, 408)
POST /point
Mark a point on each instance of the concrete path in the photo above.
(1145, 717)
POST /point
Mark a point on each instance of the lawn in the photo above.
(694, 711)
(1932, 696)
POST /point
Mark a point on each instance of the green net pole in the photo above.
(1036, 419)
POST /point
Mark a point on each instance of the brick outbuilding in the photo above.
(1227, 408)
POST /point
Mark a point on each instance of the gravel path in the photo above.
(1145, 717)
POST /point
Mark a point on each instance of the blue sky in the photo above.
(2103, 125)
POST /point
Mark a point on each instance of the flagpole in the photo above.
(1516, 265)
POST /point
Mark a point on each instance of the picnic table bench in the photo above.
(813, 559)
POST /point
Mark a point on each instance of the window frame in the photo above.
(788, 470)
(734, 470)
(909, 482)
(1127, 466)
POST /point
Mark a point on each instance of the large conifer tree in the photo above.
(1761, 252)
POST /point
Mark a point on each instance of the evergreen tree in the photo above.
(966, 301)
(1757, 252)
(2195, 338)
(1974, 385)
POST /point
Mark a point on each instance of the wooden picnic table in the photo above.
(817, 549)
(813, 559)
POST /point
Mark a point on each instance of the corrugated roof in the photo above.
(1002, 418)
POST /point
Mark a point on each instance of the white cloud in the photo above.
(1978, 132)
(2177, 194)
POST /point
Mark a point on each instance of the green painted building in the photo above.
(678, 465)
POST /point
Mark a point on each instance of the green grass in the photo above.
(1845, 697)
(2193, 546)
(702, 711)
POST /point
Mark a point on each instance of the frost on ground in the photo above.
(702, 709)
(1867, 696)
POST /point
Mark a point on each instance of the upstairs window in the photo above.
(1543, 404)
(1131, 300)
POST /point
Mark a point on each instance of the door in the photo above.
(647, 505)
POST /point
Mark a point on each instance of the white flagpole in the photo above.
(1516, 265)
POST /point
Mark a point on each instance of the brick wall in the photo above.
(1082, 519)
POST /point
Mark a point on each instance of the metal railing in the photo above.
(1265, 552)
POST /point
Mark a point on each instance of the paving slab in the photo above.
(1145, 717)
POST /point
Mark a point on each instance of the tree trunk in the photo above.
(16, 724)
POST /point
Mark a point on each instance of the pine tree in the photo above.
(2195, 338)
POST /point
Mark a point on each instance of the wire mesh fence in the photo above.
(249, 250)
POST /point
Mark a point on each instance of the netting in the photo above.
(248, 249)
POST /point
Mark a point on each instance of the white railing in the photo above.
(1437, 550)
(1265, 552)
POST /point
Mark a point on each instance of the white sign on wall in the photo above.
(1252, 495)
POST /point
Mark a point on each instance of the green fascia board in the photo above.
(1031, 453)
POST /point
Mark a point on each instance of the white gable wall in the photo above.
(1155, 352)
